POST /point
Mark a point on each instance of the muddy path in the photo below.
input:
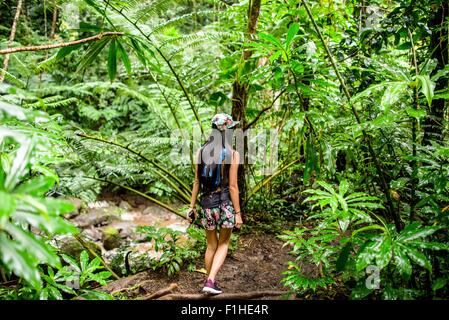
(256, 265)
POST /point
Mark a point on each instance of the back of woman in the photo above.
(216, 179)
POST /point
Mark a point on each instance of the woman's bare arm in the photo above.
(196, 184)
(234, 188)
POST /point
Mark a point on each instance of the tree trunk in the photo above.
(11, 38)
(240, 91)
(439, 46)
(54, 22)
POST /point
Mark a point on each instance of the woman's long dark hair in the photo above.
(213, 152)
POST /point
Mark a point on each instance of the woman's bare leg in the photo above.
(212, 243)
(221, 252)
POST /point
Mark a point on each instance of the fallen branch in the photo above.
(224, 296)
(160, 293)
(60, 45)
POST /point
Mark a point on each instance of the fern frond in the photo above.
(181, 19)
(52, 102)
(151, 10)
(202, 35)
(13, 79)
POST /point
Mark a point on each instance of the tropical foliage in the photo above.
(355, 92)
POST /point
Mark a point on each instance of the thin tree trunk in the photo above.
(240, 91)
(54, 22)
(11, 38)
(439, 46)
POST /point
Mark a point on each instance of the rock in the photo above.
(92, 234)
(78, 203)
(112, 241)
(111, 238)
(95, 217)
(70, 246)
(132, 258)
(125, 205)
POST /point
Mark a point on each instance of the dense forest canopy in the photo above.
(104, 96)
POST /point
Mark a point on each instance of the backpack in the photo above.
(212, 176)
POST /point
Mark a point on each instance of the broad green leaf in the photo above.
(416, 113)
(55, 293)
(418, 257)
(343, 188)
(429, 245)
(20, 164)
(58, 206)
(72, 262)
(393, 93)
(7, 205)
(343, 257)
(112, 61)
(52, 225)
(292, 31)
(439, 283)
(414, 231)
(37, 186)
(84, 260)
(383, 252)
(402, 262)
(19, 261)
(427, 87)
(274, 41)
(35, 247)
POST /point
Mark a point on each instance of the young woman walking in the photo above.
(216, 177)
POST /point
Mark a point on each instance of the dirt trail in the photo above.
(255, 265)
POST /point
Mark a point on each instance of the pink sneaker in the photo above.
(211, 287)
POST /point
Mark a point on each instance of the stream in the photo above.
(110, 227)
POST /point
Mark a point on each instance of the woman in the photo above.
(216, 176)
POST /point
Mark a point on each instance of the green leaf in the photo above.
(439, 283)
(402, 262)
(8, 205)
(343, 188)
(52, 226)
(383, 252)
(112, 61)
(343, 257)
(416, 113)
(413, 231)
(274, 41)
(63, 52)
(72, 262)
(93, 51)
(35, 247)
(37, 186)
(19, 261)
(55, 293)
(84, 260)
(418, 257)
(124, 56)
(292, 31)
(20, 164)
(427, 87)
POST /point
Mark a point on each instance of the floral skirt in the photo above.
(222, 216)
